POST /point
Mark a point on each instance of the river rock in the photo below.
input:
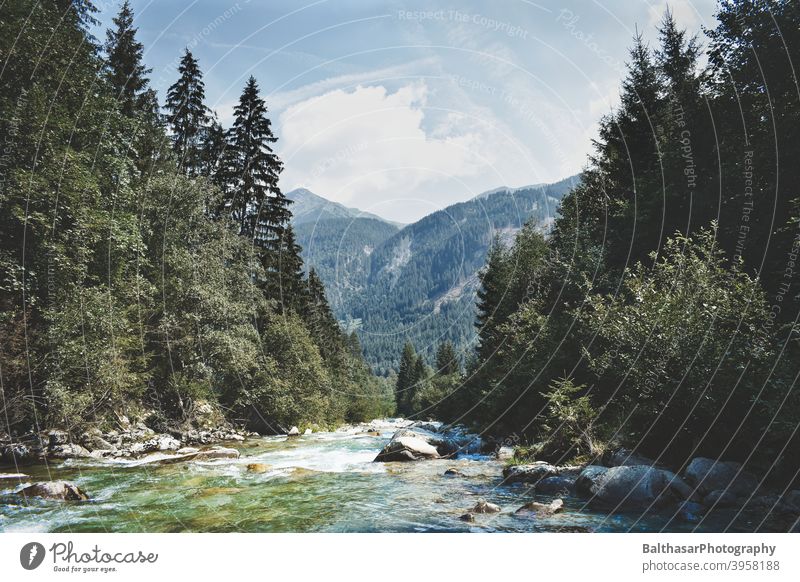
(407, 448)
(449, 441)
(57, 437)
(63, 490)
(294, 431)
(720, 498)
(453, 472)
(625, 458)
(532, 473)
(258, 468)
(485, 507)
(557, 485)
(468, 517)
(68, 451)
(708, 475)
(216, 453)
(504, 453)
(587, 478)
(690, 511)
(15, 453)
(629, 487)
(308, 431)
(542, 509)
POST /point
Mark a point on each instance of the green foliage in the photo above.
(123, 289)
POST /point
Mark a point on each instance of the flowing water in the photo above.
(324, 482)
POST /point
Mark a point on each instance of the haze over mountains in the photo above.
(417, 282)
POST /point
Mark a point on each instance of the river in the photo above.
(322, 482)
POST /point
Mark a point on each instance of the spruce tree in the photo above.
(212, 151)
(125, 71)
(446, 359)
(405, 379)
(188, 114)
(252, 170)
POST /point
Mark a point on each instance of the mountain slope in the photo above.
(309, 207)
(422, 280)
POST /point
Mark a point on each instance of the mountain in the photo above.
(418, 282)
(309, 207)
(423, 279)
(340, 249)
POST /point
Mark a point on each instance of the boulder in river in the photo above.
(448, 441)
(556, 485)
(62, 490)
(587, 478)
(68, 451)
(485, 507)
(629, 487)
(407, 448)
(542, 509)
(720, 498)
(468, 517)
(294, 431)
(57, 437)
(453, 472)
(532, 473)
(258, 468)
(708, 475)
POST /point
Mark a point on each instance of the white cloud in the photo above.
(371, 147)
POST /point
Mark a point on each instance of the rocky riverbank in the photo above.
(388, 475)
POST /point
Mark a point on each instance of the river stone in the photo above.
(258, 468)
(216, 453)
(468, 517)
(294, 431)
(587, 478)
(407, 449)
(504, 453)
(532, 473)
(68, 451)
(485, 507)
(793, 498)
(708, 475)
(308, 431)
(13, 453)
(62, 490)
(557, 485)
(57, 437)
(542, 509)
(720, 498)
(690, 511)
(453, 472)
(629, 487)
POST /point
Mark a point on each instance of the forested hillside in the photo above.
(147, 258)
(422, 280)
(661, 314)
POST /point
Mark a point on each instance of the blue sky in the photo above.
(402, 108)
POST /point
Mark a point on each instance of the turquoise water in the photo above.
(324, 482)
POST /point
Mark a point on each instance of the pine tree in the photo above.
(318, 315)
(288, 283)
(252, 171)
(405, 379)
(446, 359)
(124, 69)
(494, 283)
(212, 151)
(188, 114)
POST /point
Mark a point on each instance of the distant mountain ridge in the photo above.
(310, 207)
(418, 282)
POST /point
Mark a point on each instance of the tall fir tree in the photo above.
(213, 146)
(125, 70)
(252, 171)
(188, 115)
(446, 359)
(405, 379)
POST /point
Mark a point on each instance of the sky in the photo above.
(404, 107)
